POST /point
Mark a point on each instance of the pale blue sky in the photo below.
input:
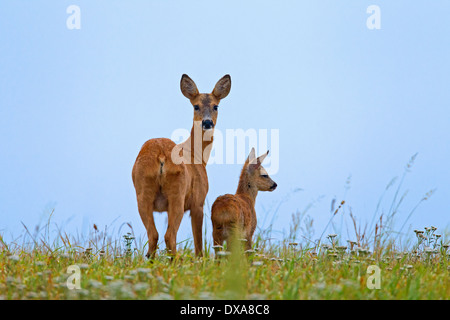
(76, 105)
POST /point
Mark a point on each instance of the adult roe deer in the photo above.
(231, 213)
(172, 178)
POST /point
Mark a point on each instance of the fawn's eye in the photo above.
(216, 108)
(264, 176)
(196, 108)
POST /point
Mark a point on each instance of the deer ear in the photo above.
(188, 87)
(253, 162)
(222, 88)
(252, 157)
(262, 157)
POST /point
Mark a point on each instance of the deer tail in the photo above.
(162, 160)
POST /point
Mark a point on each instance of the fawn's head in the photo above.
(206, 105)
(256, 174)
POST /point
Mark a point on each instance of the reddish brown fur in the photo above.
(161, 185)
(231, 213)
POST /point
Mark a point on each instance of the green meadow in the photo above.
(285, 270)
(380, 259)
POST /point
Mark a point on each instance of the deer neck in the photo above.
(247, 188)
(197, 147)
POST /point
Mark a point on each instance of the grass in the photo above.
(413, 265)
(279, 271)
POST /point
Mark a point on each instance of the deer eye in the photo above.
(264, 176)
(196, 108)
(216, 108)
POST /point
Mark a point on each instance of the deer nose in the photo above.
(207, 124)
(274, 186)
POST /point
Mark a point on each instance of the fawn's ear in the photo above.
(252, 157)
(262, 157)
(188, 87)
(253, 162)
(222, 88)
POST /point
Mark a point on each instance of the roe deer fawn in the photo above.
(172, 178)
(236, 213)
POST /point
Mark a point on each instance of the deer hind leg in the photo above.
(249, 236)
(175, 215)
(197, 224)
(217, 235)
(248, 243)
(145, 208)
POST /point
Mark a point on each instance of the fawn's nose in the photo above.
(207, 124)
(274, 186)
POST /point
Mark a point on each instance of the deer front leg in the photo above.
(197, 224)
